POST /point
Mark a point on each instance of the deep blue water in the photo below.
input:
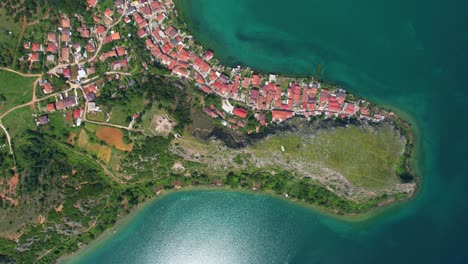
(411, 55)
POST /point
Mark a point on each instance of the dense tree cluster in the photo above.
(32, 8)
(41, 162)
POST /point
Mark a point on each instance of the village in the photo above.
(113, 103)
(269, 98)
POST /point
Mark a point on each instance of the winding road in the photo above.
(53, 71)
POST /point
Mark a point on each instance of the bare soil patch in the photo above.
(59, 209)
(113, 137)
(162, 125)
(178, 167)
(68, 117)
(71, 138)
(13, 184)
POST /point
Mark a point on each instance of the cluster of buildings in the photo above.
(283, 97)
(169, 47)
(69, 58)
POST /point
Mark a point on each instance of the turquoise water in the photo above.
(411, 55)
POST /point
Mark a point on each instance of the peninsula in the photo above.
(110, 103)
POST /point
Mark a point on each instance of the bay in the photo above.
(409, 55)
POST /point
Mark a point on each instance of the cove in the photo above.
(409, 55)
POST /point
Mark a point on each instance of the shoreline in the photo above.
(178, 16)
(416, 159)
(123, 221)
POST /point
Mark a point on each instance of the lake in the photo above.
(408, 55)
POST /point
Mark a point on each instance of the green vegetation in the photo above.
(122, 113)
(169, 96)
(151, 162)
(404, 169)
(53, 176)
(7, 25)
(10, 30)
(14, 90)
(6, 161)
(366, 157)
(34, 9)
(68, 185)
(18, 121)
(99, 116)
(78, 197)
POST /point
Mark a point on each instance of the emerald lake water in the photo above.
(410, 55)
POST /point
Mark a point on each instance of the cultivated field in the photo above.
(113, 137)
(101, 151)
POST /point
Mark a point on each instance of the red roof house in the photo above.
(350, 109)
(50, 107)
(183, 55)
(242, 113)
(141, 33)
(255, 80)
(52, 37)
(167, 47)
(120, 51)
(90, 47)
(34, 56)
(65, 22)
(115, 36)
(202, 65)
(47, 88)
(51, 47)
(208, 55)
(77, 113)
(281, 115)
(66, 72)
(365, 111)
(91, 3)
(160, 18)
(108, 13)
(246, 82)
(36, 47)
(149, 43)
(100, 30)
(65, 54)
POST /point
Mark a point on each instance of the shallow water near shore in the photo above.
(409, 55)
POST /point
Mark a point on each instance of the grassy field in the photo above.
(7, 25)
(365, 157)
(102, 152)
(120, 113)
(15, 89)
(18, 121)
(99, 116)
(197, 146)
